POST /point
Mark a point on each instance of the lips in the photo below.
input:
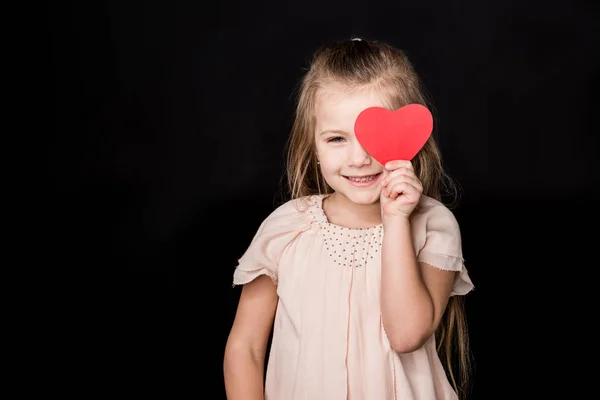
(362, 180)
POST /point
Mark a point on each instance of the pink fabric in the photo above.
(328, 339)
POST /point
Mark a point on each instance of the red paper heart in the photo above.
(393, 135)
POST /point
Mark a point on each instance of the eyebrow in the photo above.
(338, 131)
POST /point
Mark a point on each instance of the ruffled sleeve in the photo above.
(443, 245)
(273, 236)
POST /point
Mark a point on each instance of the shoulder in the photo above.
(433, 214)
(291, 212)
(429, 205)
(294, 207)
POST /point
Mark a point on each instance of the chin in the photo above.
(366, 198)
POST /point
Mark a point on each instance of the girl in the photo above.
(361, 273)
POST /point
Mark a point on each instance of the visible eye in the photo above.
(335, 139)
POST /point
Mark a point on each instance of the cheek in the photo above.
(329, 169)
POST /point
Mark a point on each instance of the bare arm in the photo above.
(244, 359)
(413, 295)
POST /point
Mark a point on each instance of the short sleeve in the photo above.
(273, 236)
(443, 246)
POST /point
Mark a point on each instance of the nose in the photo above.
(358, 157)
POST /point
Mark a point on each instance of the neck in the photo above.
(346, 213)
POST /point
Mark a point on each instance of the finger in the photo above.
(397, 189)
(395, 164)
(411, 180)
(385, 175)
(404, 188)
(389, 175)
(397, 172)
(401, 177)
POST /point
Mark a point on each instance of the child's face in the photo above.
(345, 165)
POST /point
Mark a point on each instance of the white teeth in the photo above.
(363, 179)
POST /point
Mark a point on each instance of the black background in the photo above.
(170, 121)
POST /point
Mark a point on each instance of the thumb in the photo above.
(384, 174)
(382, 188)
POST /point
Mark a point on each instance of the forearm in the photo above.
(406, 305)
(243, 373)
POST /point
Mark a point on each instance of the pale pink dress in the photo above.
(328, 338)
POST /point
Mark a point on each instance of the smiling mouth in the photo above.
(364, 178)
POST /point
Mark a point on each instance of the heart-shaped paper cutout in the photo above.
(393, 135)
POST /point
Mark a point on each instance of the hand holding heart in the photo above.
(393, 138)
(400, 189)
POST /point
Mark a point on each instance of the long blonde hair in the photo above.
(356, 64)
